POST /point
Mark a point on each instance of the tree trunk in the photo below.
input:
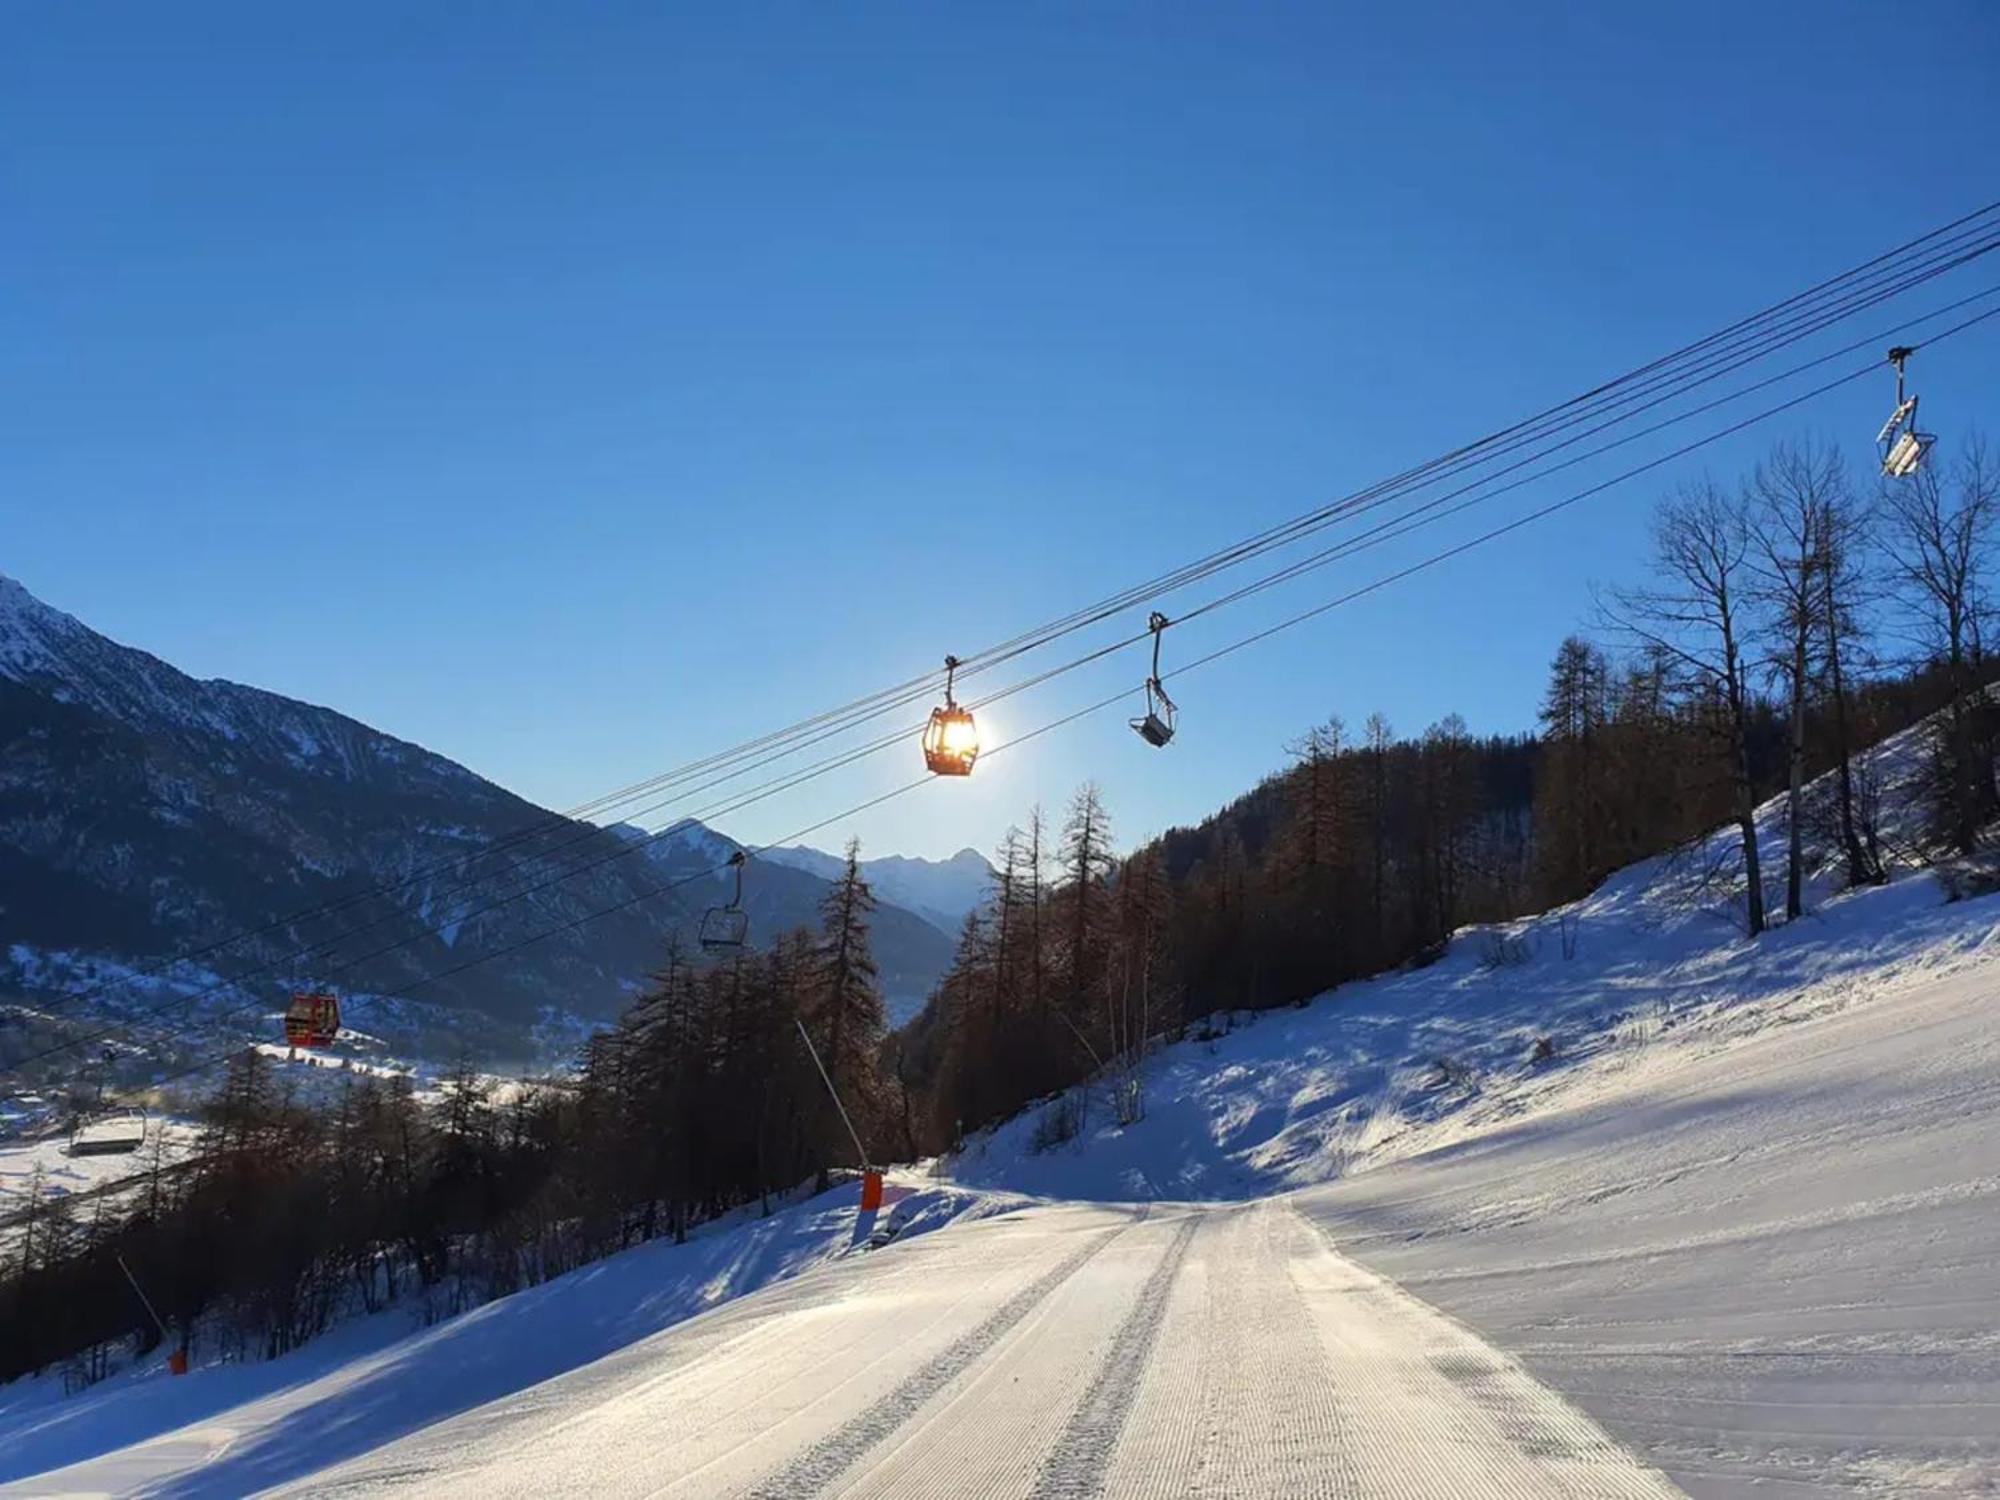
(1861, 870)
(1795, 849)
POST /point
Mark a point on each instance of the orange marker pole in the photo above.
(868, 1173)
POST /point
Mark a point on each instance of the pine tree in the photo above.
(846, 1016)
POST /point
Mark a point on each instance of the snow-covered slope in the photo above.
(229, 1430)
(1743, 1215)
(47, 1166)
(941, 891)
(1729, 1234)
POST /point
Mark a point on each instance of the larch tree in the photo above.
(1697, 614)
(846, 1016)
(1086, 863)
(1848, 589)
(1940, 537)
(1789, 504)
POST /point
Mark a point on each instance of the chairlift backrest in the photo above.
(1906, 454)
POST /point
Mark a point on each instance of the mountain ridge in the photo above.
(145, 813)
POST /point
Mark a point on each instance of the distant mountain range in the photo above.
(145, 814)
(942, 891)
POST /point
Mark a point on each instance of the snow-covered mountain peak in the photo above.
(29, 630)
(941, 891)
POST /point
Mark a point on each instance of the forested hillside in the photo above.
(1784, 623)
(1754, 657)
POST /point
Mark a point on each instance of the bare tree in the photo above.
(1695, 616)
(1788, 506)
(1846, 592)
(1939, 536)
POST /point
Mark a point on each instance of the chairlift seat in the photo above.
(1903, 446)
(1156, 727)
(1906, 453)
(724, 928)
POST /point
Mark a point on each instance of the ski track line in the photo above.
(732, 1466)
(1236, 1401)
(1075, 1469)
(870, 1333)
(1436, 1413)
(989, 1432)
(690, 1400)
(821, 1465)
(608, 1420)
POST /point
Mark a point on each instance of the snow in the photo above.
(228, 1430)
(683, 835)
(1733, 1238)
(1743, 1218)
(1052, 1350)
(27, 629)
(941, 891)
(65, 1176)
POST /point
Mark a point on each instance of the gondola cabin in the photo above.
(951, 739)
(312, 1020)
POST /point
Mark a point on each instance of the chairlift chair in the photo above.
(1157, 725)
(1903, 446)
(312, 1019)
(726, 928)
(951, 739)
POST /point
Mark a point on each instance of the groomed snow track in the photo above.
(1060, 1352)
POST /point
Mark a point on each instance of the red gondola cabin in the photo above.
(312, 1020)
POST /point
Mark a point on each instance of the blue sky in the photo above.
(577, 390)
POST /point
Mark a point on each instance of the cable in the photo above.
(1955, 239)
(1397, 527)
(1221, 653)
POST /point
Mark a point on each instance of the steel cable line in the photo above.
(1319, 559)
(1943, 244)
(1265, 633)
(1395, 527)
(1952, 253)
(1219, 654)
(1967, 246)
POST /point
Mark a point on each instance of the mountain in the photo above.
(145, 814)
(941, 891)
